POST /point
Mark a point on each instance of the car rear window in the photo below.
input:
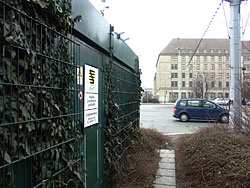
(183, 103)
(193, 103)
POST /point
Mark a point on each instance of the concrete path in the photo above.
(165, 177)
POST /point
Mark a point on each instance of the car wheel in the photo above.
(224, 118)
(183, 117)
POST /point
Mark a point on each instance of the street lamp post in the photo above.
(179, 72)
(204, 86)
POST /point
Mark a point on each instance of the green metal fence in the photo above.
(122, 111)
(43, 140)
(41, 117)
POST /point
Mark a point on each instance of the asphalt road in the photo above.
(159, 117)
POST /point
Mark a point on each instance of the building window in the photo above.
(204, 51)
(173, 83)
(183, 84)
(247, 67)
(220, 67)
(190, 75)
(183, 66)
(174, 58)
(212, 95)
(183, 58)
(246, 58)
(183, 95)
(205, 67)
(198, 58)
(205, 58)
(190, 84)
(226, 50)
(212, 84)
(190, 67)
(212, 66)
(183, 75)
(247, 76)
(220, 84)
(227, 66)
(220, 95)
(173, 75)
(219, 51)
(220, 75)
(227, 58)
(174, 66)
(220, 58)
(211, 50)
(190, 50)
(227, 84)
(198, 66)
(227, 76)
(212, 58)
(212, 75)
(190, 94)
(227, 95)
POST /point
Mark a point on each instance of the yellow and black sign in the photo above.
(92, 77)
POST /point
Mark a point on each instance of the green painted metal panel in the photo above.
(93, 135)
(97, 30)
(91, 155)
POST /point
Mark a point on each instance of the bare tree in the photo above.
(201, 85)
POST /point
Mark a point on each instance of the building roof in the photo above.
(207, 44)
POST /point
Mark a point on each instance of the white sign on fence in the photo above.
(90, 96)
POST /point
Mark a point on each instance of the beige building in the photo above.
(208, 72)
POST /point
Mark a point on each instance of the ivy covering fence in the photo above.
(39, 122)
(42, 134)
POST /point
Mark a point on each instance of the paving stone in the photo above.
(167, 165)
(165, 172)
(164, 186)
(167, 160)
(167, 155)
(164, 180)
(166, 151)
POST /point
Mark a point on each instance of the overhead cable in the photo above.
(244, 30)
(205, 32)
(226, 20)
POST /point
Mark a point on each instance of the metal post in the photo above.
(235, 61)
(179, 73)
(204, 86)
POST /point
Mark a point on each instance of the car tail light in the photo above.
(175, 110)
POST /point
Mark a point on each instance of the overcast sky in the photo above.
(151, 25)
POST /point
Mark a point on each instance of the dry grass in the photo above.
(214, 158)
(142, 164)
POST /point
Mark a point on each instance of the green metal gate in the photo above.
(41, 115)
(93, 135)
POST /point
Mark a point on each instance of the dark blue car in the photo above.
(200, 109)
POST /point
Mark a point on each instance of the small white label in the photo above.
(91, 101)
(79, 75)
(91, 117)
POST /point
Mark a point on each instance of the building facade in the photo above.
(203, 73)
